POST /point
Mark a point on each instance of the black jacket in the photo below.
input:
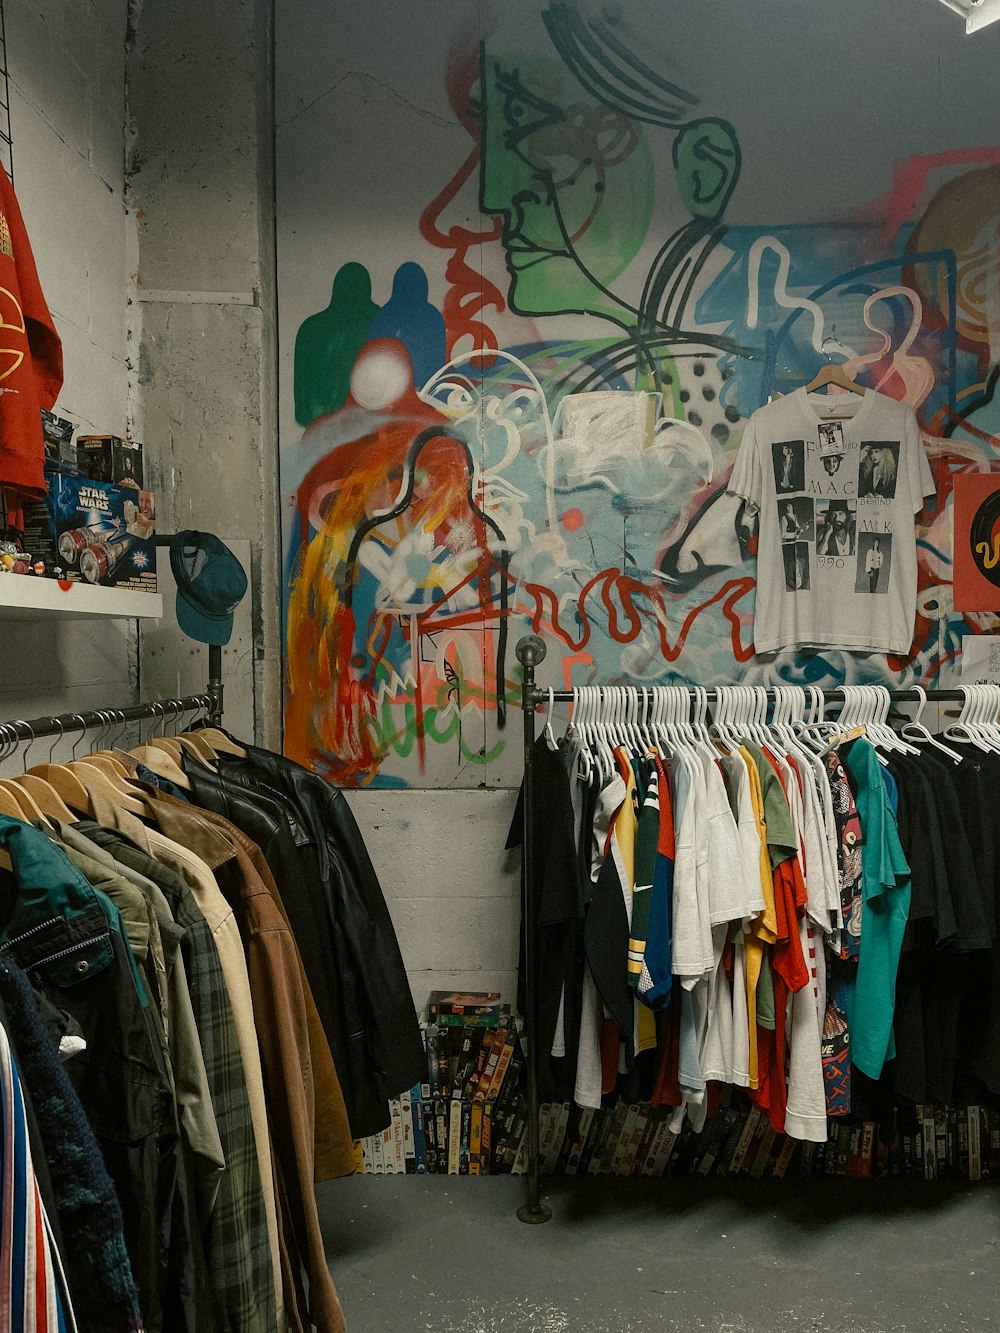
(339, 917)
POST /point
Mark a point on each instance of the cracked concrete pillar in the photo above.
(200, 180)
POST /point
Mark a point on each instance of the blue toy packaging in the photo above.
(93, 532)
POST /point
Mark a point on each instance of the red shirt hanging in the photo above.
(31, 369)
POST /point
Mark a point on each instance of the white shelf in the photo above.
(25, 597)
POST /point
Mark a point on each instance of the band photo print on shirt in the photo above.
(874, 562)
(878, 468)
(789, 461)
(796, 519)
(796, 559)
(836, 528)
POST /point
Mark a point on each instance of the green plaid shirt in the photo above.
(239, 1257)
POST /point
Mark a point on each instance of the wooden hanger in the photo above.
(67, 785)
(221, 743)
(46, 797)
(162, 764)
(832, 372)
(24, 799)
(92, 779)
(169, 746)
(10, 804)
(116, 769)
(111, 754)
(115, 764)
(111, 769)
(201, 750)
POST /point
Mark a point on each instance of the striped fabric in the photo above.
(33, 1292)
(645, 860)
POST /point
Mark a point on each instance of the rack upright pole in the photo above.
(530, 650)
(215, 686)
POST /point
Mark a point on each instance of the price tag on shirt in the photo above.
(831, 438)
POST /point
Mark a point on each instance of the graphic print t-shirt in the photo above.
(31, 372)
(836, 498)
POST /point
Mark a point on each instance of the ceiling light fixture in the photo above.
(977, 13)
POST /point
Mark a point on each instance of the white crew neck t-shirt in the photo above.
(836, 496)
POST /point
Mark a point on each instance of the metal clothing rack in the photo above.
(6, 139)
(60, 724)
(530, 651)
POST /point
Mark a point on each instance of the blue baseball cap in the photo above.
(211, 583)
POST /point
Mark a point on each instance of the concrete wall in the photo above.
(67, 86)
(199, 180)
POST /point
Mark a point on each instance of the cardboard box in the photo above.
(107, 458)
(91, 532)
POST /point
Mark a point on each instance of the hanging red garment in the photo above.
(31, 368)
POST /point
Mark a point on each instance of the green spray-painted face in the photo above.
(572, 179)
(707, 162)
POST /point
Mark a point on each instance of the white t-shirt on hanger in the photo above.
(836, 496)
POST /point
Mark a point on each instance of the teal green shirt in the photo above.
(885, 884)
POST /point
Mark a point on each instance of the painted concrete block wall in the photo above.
(67, 85)
(492, 177)
(451, 889)
(388, 142)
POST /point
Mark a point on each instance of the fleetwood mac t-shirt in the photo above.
(836, 495)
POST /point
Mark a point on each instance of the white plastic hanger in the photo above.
(991, 697)
(644, 730)
(883, 720)
(700, 714)
(962, 729)
(916, 730)
(985, 720)
(602, 733)
(548, 733)
(719, 730)
(814, 729)
(584, 759)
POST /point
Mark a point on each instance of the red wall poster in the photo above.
(977, 541)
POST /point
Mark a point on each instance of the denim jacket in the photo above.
(70, 940)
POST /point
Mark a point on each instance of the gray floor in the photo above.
(418, 1253)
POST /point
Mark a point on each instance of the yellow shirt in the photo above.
(765, 927)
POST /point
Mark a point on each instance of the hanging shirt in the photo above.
(587, 1091)
(729, 901)
(763, 929)
(645, 862)
(886, 892)
(692, 942)
(606, 926)
(848, 578)
(849, 857)
(31, 372)
(656, 981)
(753, 853)
(737, 780)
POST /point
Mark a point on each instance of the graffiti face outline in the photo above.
(572, 180)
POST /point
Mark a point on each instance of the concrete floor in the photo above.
(448, 1253)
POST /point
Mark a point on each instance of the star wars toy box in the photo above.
(108, 458)
(88, 531)
(57, 435)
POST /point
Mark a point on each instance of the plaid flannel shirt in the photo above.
(239, 1256)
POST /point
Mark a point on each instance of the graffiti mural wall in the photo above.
(537, 266)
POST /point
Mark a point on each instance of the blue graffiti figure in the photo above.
(410, 317)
